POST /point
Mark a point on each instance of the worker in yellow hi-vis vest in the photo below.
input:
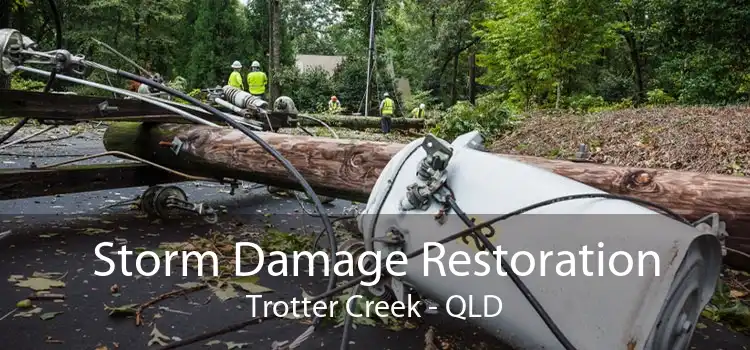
(257, 81)
(386, 113)
(418, 112)
(235, 79)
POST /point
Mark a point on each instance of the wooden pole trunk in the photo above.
(362, 123)
(348, 169)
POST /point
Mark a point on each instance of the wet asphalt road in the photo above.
(46, 237)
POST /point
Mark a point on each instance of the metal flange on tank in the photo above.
(169, 202)
(655, 307)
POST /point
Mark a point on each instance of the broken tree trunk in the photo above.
(362, 123)
(348, 169)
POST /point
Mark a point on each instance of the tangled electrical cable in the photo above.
(471, 230)
(60, 61)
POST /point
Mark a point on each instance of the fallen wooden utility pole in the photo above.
(362, 123)
(348, 169)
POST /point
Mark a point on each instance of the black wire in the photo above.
(476, 231)
(514, 277)
(418, 252)
(263, 144)
(14, 130)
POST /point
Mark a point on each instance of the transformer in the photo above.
(658, 310)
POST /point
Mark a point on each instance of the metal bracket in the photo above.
(176, 145)
(431, 173)
(104, 108)
(713, 225)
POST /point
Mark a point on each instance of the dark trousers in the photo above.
(385, 124)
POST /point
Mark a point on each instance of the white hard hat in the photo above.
(236, 64)
(385, 94)
(421, 106)
(255, 64)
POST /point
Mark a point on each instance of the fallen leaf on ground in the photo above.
(248, 283)
(15, 278)
(232, 345)
(38, 283)
(29, 313)
(700, 325)
(50, 275)
(49, 315)
(123, 310)
(103, 347)
(213, 342)
(158, 338)
(189, 285)
(50, 235)
(225, 292)
(737, 294)
(90, 231)
(51, 340)
(24, 304)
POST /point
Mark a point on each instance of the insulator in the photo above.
(243, 99)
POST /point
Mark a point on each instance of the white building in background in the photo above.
(327, 63)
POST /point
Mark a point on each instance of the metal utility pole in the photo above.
(370, 51)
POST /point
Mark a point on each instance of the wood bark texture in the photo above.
(348, 169)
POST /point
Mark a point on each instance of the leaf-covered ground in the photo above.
(54, 300)
(703, 139)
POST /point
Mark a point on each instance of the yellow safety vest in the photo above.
(387, 107)
(417, 113)
(235, 80)
(256, 82)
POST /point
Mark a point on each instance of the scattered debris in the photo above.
(45, 295)
(232, 345)
(224, 291)
(49, 315)
(189, 285)
(429, 339)
(114, 289)
(40, 283)
(50, 340)
(24, 304)
(139, 310)
(158, 337)
(248, 283)
(29, 313)
(124, 310)
(91, 231)
(727, 309)
(164, 308)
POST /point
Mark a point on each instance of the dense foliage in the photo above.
(529, 54)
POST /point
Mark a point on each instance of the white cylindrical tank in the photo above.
(594, 312)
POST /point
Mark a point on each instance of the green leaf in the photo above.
(124, 310)
(91, 231)
(224, 292)
(248, 283)
(29, 313)
(38, 283)
(49, 315)
(158, 338)
(189, 285)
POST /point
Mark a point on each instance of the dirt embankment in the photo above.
(703, 139)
